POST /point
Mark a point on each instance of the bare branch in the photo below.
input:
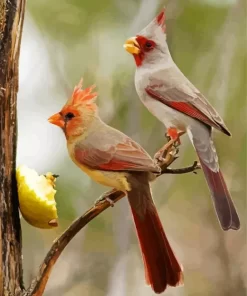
(189, 169)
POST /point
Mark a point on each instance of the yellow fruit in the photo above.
(36, 197)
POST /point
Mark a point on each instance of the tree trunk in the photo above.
(11, 22)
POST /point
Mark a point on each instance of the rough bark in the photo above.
(11, 22)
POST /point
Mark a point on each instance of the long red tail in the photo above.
(161, 265)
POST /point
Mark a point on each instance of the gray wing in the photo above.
(179, 93)
(109, 149)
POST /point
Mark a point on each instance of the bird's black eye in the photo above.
(148, 44)
(69, 116)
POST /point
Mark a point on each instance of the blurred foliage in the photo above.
(64, 40)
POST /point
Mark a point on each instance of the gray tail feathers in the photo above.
(204, 146)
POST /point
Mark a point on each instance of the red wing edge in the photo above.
(187, 109)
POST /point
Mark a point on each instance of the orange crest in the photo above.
(80, 95)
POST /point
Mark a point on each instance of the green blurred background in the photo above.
(64, 40)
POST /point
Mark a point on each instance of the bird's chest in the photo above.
(168, 116)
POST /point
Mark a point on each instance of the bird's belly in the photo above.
(115, 180)
(112, 179)
(168, 116)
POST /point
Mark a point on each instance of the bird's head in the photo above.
(149, 45)
(79, 111)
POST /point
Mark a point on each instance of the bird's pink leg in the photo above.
(174, 135)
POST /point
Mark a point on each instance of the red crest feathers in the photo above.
(80, 95)
(161, 18)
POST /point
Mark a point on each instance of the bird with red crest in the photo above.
(182, 108)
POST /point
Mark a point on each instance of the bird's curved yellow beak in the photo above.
(132, 46)
(56, 119)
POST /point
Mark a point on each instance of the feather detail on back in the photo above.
(108, 149)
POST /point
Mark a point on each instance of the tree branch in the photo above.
(38, 285)
(189, 169)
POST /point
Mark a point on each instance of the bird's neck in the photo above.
(91, 122)
(164, 60)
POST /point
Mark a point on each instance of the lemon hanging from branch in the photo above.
(36, 197)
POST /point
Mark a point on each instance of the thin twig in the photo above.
(189, 169)
(38, 285)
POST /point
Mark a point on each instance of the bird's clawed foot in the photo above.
(170, 148)
(105, 197)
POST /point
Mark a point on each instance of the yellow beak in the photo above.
(132, 46)
(57, 120)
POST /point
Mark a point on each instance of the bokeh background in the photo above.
(66, 39)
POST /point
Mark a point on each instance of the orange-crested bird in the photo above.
(113, 159)
(180, 106)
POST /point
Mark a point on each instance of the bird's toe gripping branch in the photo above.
(170, 148)
(105, 197)
(169, 153)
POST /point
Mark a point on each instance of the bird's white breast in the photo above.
(167, 115)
